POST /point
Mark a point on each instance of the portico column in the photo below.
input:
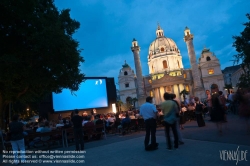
(159, 92)
(190, 89)
(154, 95)
(178, 85)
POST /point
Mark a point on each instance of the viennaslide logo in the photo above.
(233, 155)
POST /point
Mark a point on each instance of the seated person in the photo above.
(85, 120)
(27, 129)
(90, 124)
(98, 121)
(46, 128)
(60, 124)
(131, 115)
(52, 125)
(111, 119)
(41, 125)
(125, 120)
(66, 123)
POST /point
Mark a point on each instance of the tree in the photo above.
(134, 100)
(119, 104)
(38, 54)
(228, 87)
(242, 45)
(184, 92)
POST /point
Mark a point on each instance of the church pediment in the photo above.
(126, 79)
(204, 65)
(168, 80)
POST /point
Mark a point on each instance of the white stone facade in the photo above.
(210, 70)
(167, 74)
(127, 83)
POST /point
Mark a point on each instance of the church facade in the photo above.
(167, 73)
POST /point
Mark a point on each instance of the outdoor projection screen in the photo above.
(92, 93)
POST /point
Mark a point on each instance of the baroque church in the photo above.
(167, 73)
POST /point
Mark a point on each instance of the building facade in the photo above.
(167, 73)
(227, 73)
(127, 84)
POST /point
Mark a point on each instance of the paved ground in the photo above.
(203, 146)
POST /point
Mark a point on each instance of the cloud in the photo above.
(108, 27)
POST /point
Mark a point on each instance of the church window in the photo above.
(187, 33)
(134, 45)
(151, 93)
(210, 71)
(125, 73)
(162, 49)
(165, 64)
(126, 85)
(208, 58)
(178, 63)
(129, 100)
(184, 75)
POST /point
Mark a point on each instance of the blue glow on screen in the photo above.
(91, 94)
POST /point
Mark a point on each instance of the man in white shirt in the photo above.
(149, 112)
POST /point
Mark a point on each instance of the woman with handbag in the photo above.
(17, 139)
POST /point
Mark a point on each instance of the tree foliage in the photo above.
(119, 104)
(38, 54)
(228, 87)
(242, 45)
(184, 92)
(134, 100)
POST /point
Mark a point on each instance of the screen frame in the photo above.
(82, 109)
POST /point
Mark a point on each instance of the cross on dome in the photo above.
(159, 31)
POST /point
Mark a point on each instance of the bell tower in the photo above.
(199, 91)
(139, 78)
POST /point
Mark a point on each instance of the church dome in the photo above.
(162, 44)
(164, 55)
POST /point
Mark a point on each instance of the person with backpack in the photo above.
(169, 109)
(198, 112)
(178, 103)
(217, 109)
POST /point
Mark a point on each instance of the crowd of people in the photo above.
(172, 113)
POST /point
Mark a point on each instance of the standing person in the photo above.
(198, 112)
(17, 139)
(173, 97)
(209, 104)
(149, 113)
(78, 133)
(60, 117)
(72, 114)
(223, 104)
(169, 109)
(244, 108)
(216, 107)
(231, 99)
